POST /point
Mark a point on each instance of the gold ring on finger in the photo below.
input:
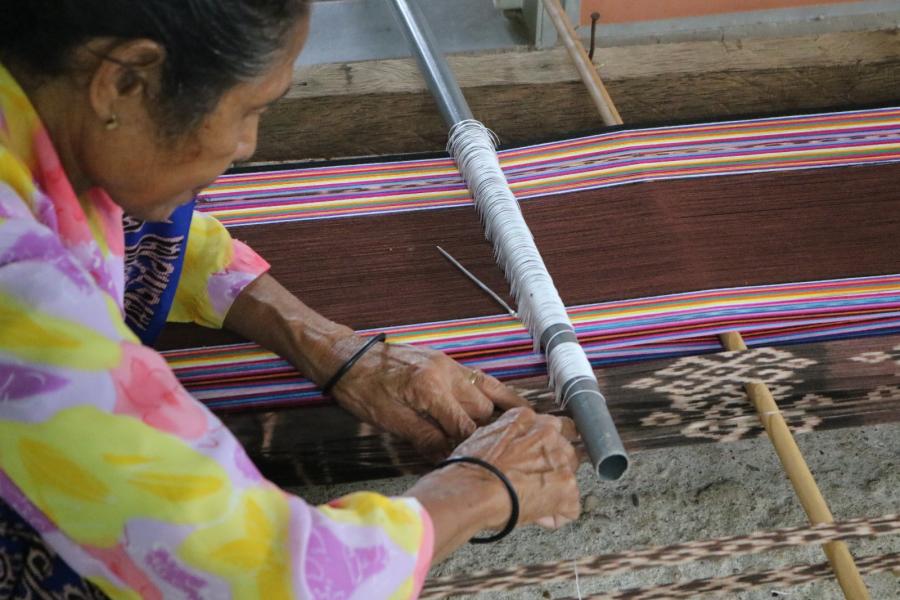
(475, 376)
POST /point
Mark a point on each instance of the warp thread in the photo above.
(783, 576)
(611, 564)
(608, 159)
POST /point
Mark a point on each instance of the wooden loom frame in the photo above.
(652, 84)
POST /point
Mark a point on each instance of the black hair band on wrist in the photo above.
(513, 497)
(326, 389)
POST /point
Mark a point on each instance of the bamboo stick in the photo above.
(589, 75)
(800, 476)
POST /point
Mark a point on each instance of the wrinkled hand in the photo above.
(536, 454)
(422, 395)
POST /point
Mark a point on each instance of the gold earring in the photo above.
(112, 122)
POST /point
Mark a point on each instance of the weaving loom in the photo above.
(817, 297)
(368, 232)
(819, 303)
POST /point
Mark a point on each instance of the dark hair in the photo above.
(211, 45)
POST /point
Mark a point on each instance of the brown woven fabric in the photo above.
(611, 564)
(728, 586)
(658, 404)
(606, 244)
(625, 242)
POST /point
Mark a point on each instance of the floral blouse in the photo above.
(135, 484)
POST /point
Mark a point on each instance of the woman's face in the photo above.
(149, 177)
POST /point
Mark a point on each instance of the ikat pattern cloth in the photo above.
(136, 485)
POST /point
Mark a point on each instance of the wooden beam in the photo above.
(383, 107)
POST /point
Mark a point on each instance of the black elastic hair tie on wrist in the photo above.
(326, 389)
(513, 497)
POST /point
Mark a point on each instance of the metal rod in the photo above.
(484, 288)
(595, 16)
(437, 73)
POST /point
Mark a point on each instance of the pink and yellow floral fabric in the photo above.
(134, 483)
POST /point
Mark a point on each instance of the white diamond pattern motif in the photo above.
(707, 394)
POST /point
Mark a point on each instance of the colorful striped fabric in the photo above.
(243, 375)
(607, 159)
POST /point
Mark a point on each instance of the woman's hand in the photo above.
(533, 451)
(422, 395)
(419, 394)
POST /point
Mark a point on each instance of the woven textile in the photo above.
(243, 375)
(611, 564)
(784, 229)
(728, 586)
(608, 159)
(657, 404)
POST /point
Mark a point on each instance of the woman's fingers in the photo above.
(545, 433)
(522, 418)
(568, 429)
(451, 417)
(568, 434)
(469, 395)
(547, 522)
(563, 456)
(479, 393)
(499, 394)
(555, 496)
(425, 436)
(554, 522)
(492, 441)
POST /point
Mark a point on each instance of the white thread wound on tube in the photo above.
(473, 146)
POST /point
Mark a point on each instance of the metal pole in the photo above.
(437, 73)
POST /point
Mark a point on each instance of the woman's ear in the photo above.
(124, 76)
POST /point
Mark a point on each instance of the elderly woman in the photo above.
(113, 480)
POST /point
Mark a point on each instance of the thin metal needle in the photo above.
(478, 282)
